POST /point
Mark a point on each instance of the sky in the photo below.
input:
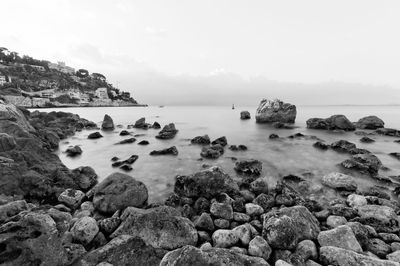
(220, 51)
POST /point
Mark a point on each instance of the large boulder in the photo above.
(285, 228)
(207, 183)
(370, 122)
(119, 191)
(335, 122)
(124, 250)
(365, 163)
(108, 123)
(382, 218)
(339, 181)
(275, 111)
(189, 255)
(245, 115)
(168, 132)
(160, 227)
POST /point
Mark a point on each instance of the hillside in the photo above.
(29, 82)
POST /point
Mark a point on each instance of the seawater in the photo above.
(280, 157)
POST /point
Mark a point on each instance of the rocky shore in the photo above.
(51, 215)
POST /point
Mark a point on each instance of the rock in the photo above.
(119, 191)
(168, 132)
(275, 111)
(388, 132)
(289, 226)
(389, 238)
(109, 225)
(124, 133)
(366, 139)
(253, 209)
(160, 227)
(341, 237)
(108, 123)
(378, 247)
(395, 246)
(84, 230)
(212, 152)
(335, 122)
(243, 232)
(339, 181)
(124, 250)
(222, 210)
(141, 123)
(334, 221)
(259, 247)
(168, 151)
(273, 136)
(249, 167)
(71, 197)
(74, 151)
(221, 141)
(260, 185)
(84, 177)
(207, 183)
(382, 218)
(189, 255)
(224, 238)
(306, 249)
(241, 217)
(221, 223)
(245, 115)
(127, 141)
(238, 148)
(7, 142)
(343, 146)
(395, 256)
(156, 125)
(95, 135)
(395, 155)
(202, 140)
(341, 257)
(143, 142)
(204, 222)
(368, 163)
(320, 145)
(356, 201)
(12, 208)
(370, 122)
(361, 232)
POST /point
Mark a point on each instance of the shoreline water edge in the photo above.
(52, 215)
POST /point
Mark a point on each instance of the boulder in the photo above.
(365, 163)
(143, 142)
(343, 146)
(204, 222)
(378, 247)
(7, 142)
(84, 230)
(249, 167)
(118, 191)
(370, 122)
(212, 152)
(382, 218)
(335, 122)
(366, 139)
(275, 111)
(168, 132)
(74, 151)
(222, 210)
(341, 237)
(202, 140)
(160, 227)
(245, 115)
(190, 255)
(124, 133)
(95, 135)
(339, 181)
(259, 247)
(141, 123)
(168, 151)
(156, 125)
(223, 238)
(221, 141)
(71, 197)
(108, 123)
(207, 183)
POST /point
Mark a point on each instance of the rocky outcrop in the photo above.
(108, 123)
(244, 115)
(168, 151)
(275, 111)
(335, 122)
(201, 140)
(370, 122)
(168, 132)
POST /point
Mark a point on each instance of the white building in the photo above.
(60, 66)
(4, 79)
(101, 93)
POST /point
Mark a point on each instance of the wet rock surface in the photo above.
(270, 111)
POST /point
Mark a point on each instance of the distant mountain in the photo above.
(30, 82)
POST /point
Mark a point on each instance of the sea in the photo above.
(280, 157)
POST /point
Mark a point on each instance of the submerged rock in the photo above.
(108, 123)
(141, 123)
(221, 141)
(395, 155)
(370, 122)
(168, 151)
(245, 115)
(74, 151)
(95, 135)
(238, 148)
(119, 191)
(168, 132)
(275, 111)
(367, 163)
(212, 152)
(143, 142)
(335, 122)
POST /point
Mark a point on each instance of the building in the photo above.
(102, 93)
(47, 93)
(60, 66)
(4, 79)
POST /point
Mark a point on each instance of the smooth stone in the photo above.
(243, 232)
(71, 197)
(356, 201)
(334, 221)
(223, 238)
(253, 209)
(84, 230)
(341, 236)
(259, 247)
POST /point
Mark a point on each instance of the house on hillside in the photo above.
(101, 93)
(60, 66)
(4, 79)
(47, 93)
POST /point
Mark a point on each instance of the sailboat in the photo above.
(233, 106)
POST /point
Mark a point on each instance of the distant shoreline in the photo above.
(84, 106)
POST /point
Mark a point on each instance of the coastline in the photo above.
(85, 106)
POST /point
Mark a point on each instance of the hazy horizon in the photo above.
(220, 52)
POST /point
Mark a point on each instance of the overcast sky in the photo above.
(219, 51)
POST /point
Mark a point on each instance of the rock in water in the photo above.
(245, 115)
(221, 141)
(95, 135)
(370, 122)
(202, 140)
(339, 181)
(367, 163)
(249, 167)
(141, 123)
(275, 111)
(169, 151)
(74, 151)
(160, 227)
(335, 122)
(190, 255)
(84, 230)
(108, 123)
(119, 191)
(168, 132)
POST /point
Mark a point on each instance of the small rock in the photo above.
(201, 140)
(259, 247)
(341, 236)
(224, 238)
(253, 209)
(222, 210)
(249, 167)
(245, 115)
(221, 223)
(84, 230)
(74, 151)
(71, 197)
(356, 201)
(169, 151)
(243, 232)
(221, 141)
(95, 135)
(334, 221)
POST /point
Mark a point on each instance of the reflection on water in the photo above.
(279, 157)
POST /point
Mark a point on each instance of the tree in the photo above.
(82, 73)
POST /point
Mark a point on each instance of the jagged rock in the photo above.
(382, 218)
(273, 136)
(221, 141)
(341, 237)
(12, 208)
(123, 250)
(245, 115)
(71, 197)
(212, 152)
(378, 247)
(368, 163)
(260, 185)
(202, 140)
(222, 210)
(84, 230)
(74, 151)
(335, 122)
(156, 125)
(275, 111)
(168, 151)
(339, 181)
(249, 167)
(207, 183)
(370, 122)
(343, 146)
(160, 227)
(84, 177)
(168, 132)
(119, 191)
(141, 123)
(95, 135)
(341, 257)
(108, 123)
(189, 255)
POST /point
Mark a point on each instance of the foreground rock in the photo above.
(341, 237)
(275, 111)
(95, 135)
(365, 163)
(382, 218)
(168, 132)
(212, 152)
(160, 227)
(119, 191)
(201, 140)
(370, 122)
(339, 181)
(335, 122)
(189, 255)
(245, 115)
(74, 151)
(249, 167)
(108, 123)
(168, 151)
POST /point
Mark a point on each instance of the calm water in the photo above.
(279, 158)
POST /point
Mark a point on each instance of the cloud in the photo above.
(156, 33)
